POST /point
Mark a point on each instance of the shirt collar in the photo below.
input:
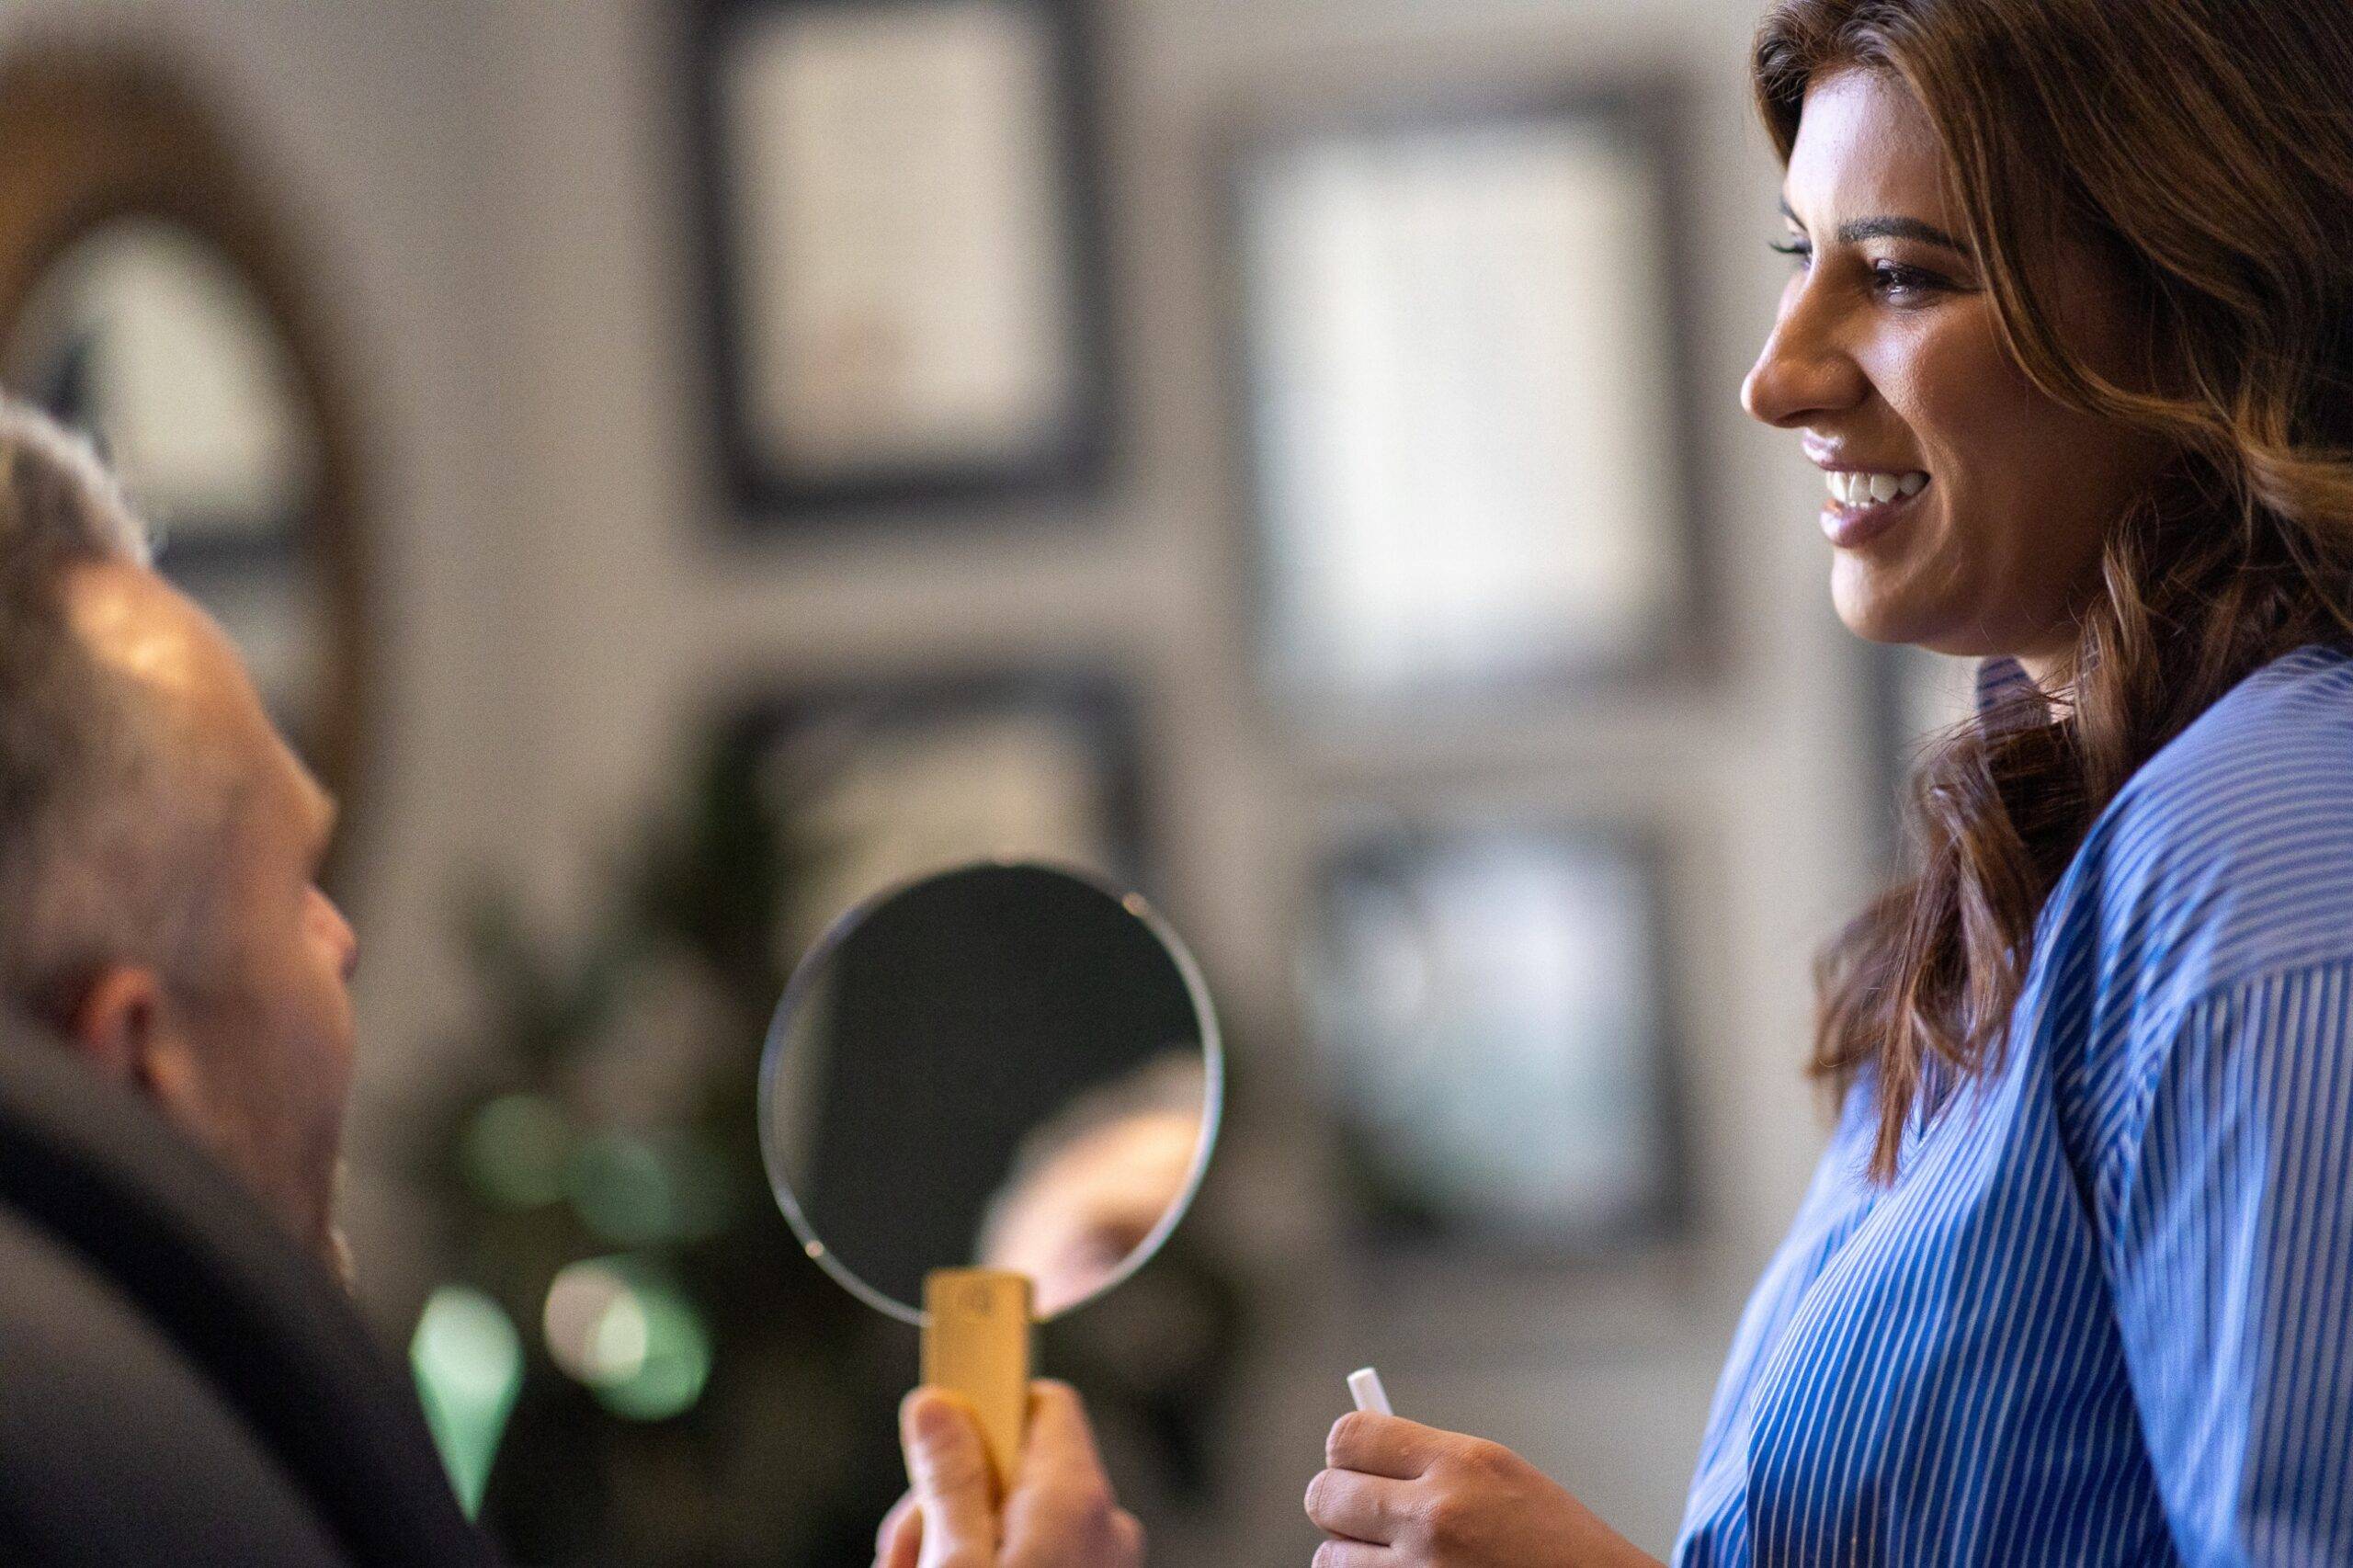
(2002, 680)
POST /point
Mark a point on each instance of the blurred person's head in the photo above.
(159, 843)
(2075, 279)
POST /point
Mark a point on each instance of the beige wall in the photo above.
(492, 192)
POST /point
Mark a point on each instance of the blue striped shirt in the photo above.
(2105, 1313)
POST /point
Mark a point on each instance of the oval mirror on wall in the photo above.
(148, 298)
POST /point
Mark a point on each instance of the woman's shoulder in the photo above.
(2268, 758)
(2230, 854)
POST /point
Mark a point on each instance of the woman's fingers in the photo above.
(1061, 1512)
(1059, 1444)
(1362, 1507)
(1058, 1512)
(899, 1542)
(948, 1463)
(1382, 1445)
(1354, 1554)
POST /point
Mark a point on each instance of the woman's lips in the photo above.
(1852, 525)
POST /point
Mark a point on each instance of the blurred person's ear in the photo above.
(113, 1026)
(122, 1029)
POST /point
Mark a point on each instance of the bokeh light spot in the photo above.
(468, 1360)
(517, 1149)
(623, 1329)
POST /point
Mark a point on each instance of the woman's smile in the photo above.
(1866, 503)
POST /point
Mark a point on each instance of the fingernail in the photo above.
(934, 1423)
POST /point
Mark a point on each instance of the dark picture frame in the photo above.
(1433, 1155)
(1072, 730)
(1403, 133)
(1048, 279)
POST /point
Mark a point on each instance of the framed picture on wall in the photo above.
(902, 249)
(1489, 1001)
(879, 782)
(1469, 444)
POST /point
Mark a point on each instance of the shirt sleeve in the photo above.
(2230, 1250)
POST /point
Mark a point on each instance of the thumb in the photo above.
(900, 1540)
(948, 1464)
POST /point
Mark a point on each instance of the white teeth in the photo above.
(1850, 489)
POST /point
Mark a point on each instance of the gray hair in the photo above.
(86, 873)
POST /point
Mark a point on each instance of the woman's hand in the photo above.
(1058, 1513)
(1402, 1495)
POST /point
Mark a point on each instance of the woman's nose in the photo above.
(1799, 374)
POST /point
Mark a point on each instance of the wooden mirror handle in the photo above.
(976, 1344)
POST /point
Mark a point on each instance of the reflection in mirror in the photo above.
(144, 334)
(1089, 1185)
(1003, 1066)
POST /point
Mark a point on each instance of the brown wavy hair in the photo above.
(2203, 149)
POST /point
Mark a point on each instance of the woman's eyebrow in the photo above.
(1889, 228)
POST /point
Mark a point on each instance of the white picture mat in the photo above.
(190, 382)
(1489, 1016)
(905, 289)
(1466, 413)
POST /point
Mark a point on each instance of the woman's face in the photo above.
(1887, 357)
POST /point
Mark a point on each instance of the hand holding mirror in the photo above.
(987, 1097)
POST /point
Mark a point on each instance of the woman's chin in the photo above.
(1868, 608)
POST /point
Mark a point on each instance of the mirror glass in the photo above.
(145, 336)
(1007, 1065)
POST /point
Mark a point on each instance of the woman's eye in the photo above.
(1907, 282)
(1892, 280)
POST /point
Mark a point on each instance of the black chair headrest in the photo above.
(102, 1176)
(114, 1452)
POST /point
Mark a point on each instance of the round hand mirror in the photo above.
(987, 1097)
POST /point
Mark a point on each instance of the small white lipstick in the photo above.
(1364, 1387)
